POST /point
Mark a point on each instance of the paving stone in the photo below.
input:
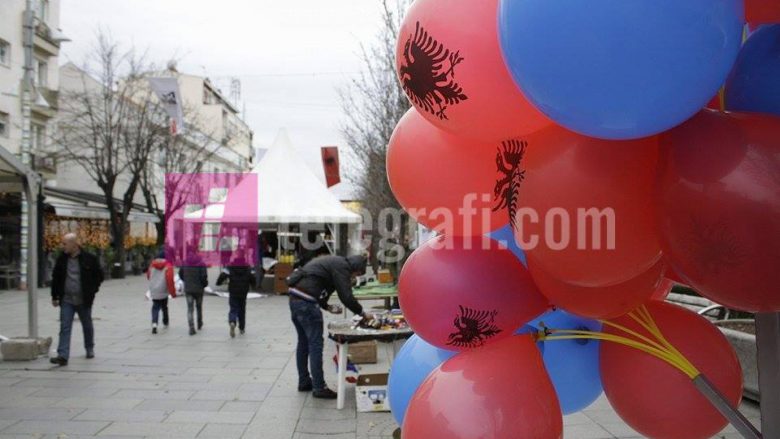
(327, 414)
(68, 392)
(153, 394)
(222, 431)
(220, 417)
(241, 406)
(6, 422)
(620, 430)
(320, 426)
(585, 431)
(324, 436)
(57, 427)
(54, 414)
(170, 405)
(115, 415)
(188, 430)
(29, 402)
(87, 403)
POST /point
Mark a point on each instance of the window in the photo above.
(4, 128)
(5, 53)
(41, 73)
(38, 137)
(43, 10)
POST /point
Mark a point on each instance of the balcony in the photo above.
(44, 164)
(46, 40)
(45, 102)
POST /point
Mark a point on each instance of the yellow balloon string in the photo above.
(660, 348)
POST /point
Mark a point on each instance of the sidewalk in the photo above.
(174, 385)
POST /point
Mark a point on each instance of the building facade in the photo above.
(46, 41)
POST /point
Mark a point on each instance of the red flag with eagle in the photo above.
(330, 163)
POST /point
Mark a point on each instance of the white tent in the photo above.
(289, 192)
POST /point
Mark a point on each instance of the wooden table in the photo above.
(343, 334)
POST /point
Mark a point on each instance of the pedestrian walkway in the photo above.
(208, 385)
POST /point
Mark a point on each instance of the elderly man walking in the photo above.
(75, 281)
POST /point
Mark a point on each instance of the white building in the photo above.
(46, 41)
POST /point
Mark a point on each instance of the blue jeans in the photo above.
(307, 318)
(157, 306)
(67, 311)
(194, 302)
(237, 311)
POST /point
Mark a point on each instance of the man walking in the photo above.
(75, 281)
(240, 279)
(310, 289)
(195, 278)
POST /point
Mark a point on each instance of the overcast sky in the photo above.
(290, 55)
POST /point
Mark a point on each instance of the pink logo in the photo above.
(211, 219)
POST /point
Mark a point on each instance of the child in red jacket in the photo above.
(161, 285)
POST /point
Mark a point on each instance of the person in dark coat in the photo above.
(310, 289)
(240, 279)
(195, 278)
(76, 279)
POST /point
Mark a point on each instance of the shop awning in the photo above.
(77, 204)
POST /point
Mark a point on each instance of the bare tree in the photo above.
(109, 126)
(374, 103)
(180, 157)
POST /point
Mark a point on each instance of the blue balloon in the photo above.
(754, 84)
(506, 236)
(573, 365)
(620, 69)
(414, 362)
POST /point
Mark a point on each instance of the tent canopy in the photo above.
(288, 192)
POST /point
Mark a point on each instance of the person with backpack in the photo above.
(195, 277)
(161, 285)
(240, 279)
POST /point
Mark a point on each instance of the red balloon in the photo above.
(445, 182)
(674, 276)
(599, 302)
(450, 66)
(460, 293)
(658, 400)
(587, 215)
(762, 11)
(500, 391)
(663, 290)
(719, 207)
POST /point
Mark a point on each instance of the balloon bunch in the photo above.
(563, 151)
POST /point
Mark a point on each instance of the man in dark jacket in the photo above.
(76, 279)
(240, 279)
(195, 278)
(310, 289)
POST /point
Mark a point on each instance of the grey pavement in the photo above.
(175, 385)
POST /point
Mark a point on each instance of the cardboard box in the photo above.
(281, 271)
(363, 352)
(371, 393)
(384, 276)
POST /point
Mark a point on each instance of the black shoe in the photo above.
(154, 330)
(200, 326)
(192, 331)
(305, 388)
(325, 393)
(242, 331)
(232, 330)
(90, 354)
(59, 361)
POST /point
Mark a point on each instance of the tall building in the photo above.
(46, 41)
